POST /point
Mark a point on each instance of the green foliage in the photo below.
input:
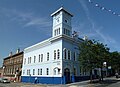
(93, 54)
(114, 60)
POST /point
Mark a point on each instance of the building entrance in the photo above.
(67, 75)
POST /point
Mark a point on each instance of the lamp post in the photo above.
(103, 65)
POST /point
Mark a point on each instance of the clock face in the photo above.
(57, 19)
(66, 21)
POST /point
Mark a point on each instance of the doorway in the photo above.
(67, 75)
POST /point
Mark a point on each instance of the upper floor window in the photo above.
(57, 31)
(69, 53)
(65, 54)
(74, 56)
(47, 56)
(34, 59)
(39, 58)
(58, 54)
(66, 32)
(54, 54)
(30, 59)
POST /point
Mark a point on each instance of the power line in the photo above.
(104, 8)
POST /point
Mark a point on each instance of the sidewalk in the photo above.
(106, 83)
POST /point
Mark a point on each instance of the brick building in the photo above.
(1, 71)
(12, 66)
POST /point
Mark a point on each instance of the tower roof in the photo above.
(61, 9)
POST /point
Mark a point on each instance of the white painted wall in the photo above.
(51, 64)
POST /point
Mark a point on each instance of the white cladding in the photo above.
(54, 61)
(50, 64)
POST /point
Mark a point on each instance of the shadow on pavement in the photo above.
(105, 82)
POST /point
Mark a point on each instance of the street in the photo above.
(108, 82)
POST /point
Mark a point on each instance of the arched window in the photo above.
(69, 54)
(58, 54)
(65, 54)
(39, 57)
(54, 54)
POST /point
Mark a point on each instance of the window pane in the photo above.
(65, 54)
(47, 71)
(34, 59)
(69, 54)
(39, 58)
(47, 56)
(54, 54)
(58, 54)
(33, 71)
(40, 71)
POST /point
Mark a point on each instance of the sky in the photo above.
(26, 22)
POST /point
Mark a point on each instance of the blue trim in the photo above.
(73, 78)
(43, 80)
(53, 80)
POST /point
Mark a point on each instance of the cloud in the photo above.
(38, 21)
(106, 39)
(27, 19)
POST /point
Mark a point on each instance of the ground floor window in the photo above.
(47, 71)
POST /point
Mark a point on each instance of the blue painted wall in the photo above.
(52, 80)
(43, 80)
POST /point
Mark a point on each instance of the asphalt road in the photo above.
(108, 82)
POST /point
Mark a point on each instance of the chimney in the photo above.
(10, 53)
(18, 50)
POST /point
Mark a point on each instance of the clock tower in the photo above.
(61, 22)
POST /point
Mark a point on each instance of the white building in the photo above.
(55, 60)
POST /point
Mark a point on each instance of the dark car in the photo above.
(4, 80)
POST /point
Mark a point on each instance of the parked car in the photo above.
(4, 80)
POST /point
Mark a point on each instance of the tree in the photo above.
(102, 55)
(86, 56)
(114, 61)
(92, 55)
